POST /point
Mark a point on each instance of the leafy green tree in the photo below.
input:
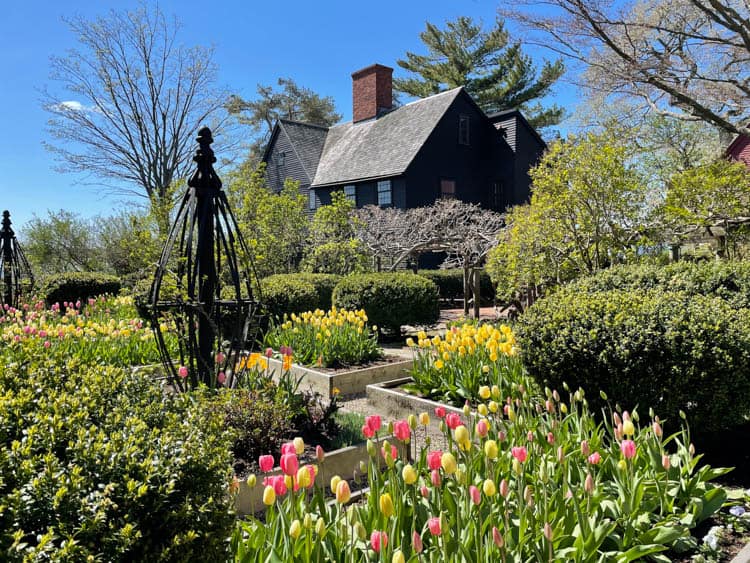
(289, 101)
(130, 244)
(333, 245)
(709, 196)
(274, 224)
(494, 70)
(587, 211)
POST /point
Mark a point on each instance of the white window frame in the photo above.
(385, 187)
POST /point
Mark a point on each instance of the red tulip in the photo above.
(266, 463)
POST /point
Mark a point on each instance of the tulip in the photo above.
(585, 450)
(493, 406)
(665, 463)
(440, 412)
(448, 462)
(307, 521)
(252, 480)
(409, 474)
(588, 484)
(627, 428)
(657, 430)
(452, 420)
(334, 483)
(504, 489)
(416, 542)
(343, 493)
(378, 540)
(319, 454)
(374, 422)
(289, 464)
(412, 420)
(628, 449)
(550, 438)
(299, 445)
(398, 557)
(530, 436)
(497, 537)
(435, 478)
(520, 453)
(484, 392)
(401, 430)
(490, 449)
(288, 448)
(622, 465)
(495, 392)
(424, 419)
(434, 525)
(367, 432)
(474, 495)
(433, 459)
(320, 527)
(482, 428)
(269, 495)
(303, 477)
(424, 491)
(488, 487)
(386, 505)
(595, 458)
(182, 372)
(467, 408)
(221, 378)
(461, 434)
(266, 463)
(295, 529)
(482, 409)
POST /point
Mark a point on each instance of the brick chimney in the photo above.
(372, 92)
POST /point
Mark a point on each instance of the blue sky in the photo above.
(318, 44)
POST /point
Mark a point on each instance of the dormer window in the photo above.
(463, 130)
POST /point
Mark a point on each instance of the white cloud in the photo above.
(71, 105)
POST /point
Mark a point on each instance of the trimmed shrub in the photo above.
(390, 300)
(323, 284)
(98, 464)
(729, 280)
(283, 294)
(72, 286)
(451, 284)
(668, 350)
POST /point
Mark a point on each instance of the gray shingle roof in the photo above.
(307, 141)
(380, 147)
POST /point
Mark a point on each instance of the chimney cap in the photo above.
(369, 69)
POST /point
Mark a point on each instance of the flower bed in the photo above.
(537, 479)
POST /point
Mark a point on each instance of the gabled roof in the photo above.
(516, 114)
(307, 141)
(382, 147)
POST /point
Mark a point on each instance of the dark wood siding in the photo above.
(475, 168)
(292, 166)
(528, 152)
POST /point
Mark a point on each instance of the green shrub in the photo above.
(72, 286)
(390, 300)
(98, 464)
(729, 280)
(284, 295)
(323, 284)
(451, 284)
(668, 350)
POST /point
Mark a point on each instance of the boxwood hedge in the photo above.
(72, 286)
(668, 350)
(451, 284)
(389, 299)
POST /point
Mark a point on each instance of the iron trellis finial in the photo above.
(205, 177)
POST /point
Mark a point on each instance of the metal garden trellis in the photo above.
(203, 289)
(16, 277)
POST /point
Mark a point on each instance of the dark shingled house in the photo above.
(408, 156)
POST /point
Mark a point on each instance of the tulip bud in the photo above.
(585, 450)
(497, 537)
(616, 418)
(622, 465)
(543, 477)
(461, 434)
(359, 531)
(490, 449)
(603, 395)
(528, 495)
(563, 408)
(548, 531)
(560, 454)
(412, 421)
(588, 484)
(482, 428)
(424, 419)
(435, 478)
(517, 468)
(307, 521)
(488, 487)
(416, 542)
(665, 463)
(482, 409)
(691, 450)
(334, 483)
(386, 505)
(320, 527)
(319, 454)
(556, 396)
(398, 557)
(657, 430)
(501, 436)
(269, 495)
(495, 392)
(474, 495)
(409, 474)
(295, 529)
(299, 445)
(504, 489)
(493, 406)
(362, 467)
(424, 491)
(252, 480)
(371, 449)
(467, 409)
(448, 463)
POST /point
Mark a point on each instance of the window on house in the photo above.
(497, 196)
(463, 129)
(280, 159)
(447, 188)
(385, 195)
(351, 193)
(311, 199)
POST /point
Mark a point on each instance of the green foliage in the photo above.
(586, 212)
(333, 244)
(653, 348)
(333, 339)
(284, 295)
(349, 429)
(98, 464)
(274, 225)
(390, 300)
(73, 286)
(729, 280)
(451, 283)
(496, 72)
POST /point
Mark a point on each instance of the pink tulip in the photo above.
(476, 497)
(665, 463)
(311, 471)
(497, 537)
(627, 447)
(585, 450)
(378, 540)
(47, 344)
(530, 436)
(221, 378)
(416, 542)
(433, 459)
(182, 372)
(482, 428)
(424, 491)
(501, 436)
(319, 454)
(373, 422)
(394, 452)
(288, 448)
(269, 352)
(657, 430)
(550, 438)
(401, 430)
(279, 486)
(440, 412)
(520, 453)
(289, 464)
(367, 432)
(452, 420)
(434, 525)
(266, 463)
(435, 478)
(504, 489)
(595, 458)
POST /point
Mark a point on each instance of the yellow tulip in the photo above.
(343, 493)
(409, 474)
(484, 392)
(386, 505)
(490, 449)
(489, 487)
(461, 434)
(269, 495)
(448, 462)
(334, 483)
(295, 529)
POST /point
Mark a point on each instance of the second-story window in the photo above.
(311, 199)
(385, 196)
(280, 159)
(463, 129)
(351, 193)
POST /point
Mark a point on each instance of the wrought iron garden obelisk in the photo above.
(16, 277)
(201, 301)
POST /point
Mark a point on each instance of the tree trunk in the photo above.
(475, 291)
(467, 290)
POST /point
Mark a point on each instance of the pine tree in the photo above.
(496, 72)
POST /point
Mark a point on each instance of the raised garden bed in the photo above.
(392, 401)
(343, 462)
(345, 381)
